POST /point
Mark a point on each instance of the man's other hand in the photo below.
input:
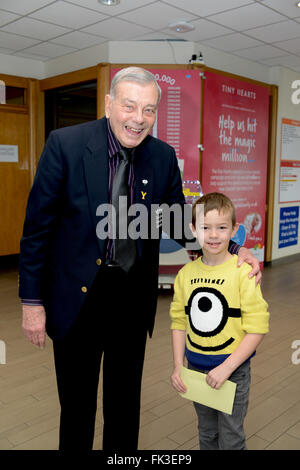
(34, 324)
(245, 256)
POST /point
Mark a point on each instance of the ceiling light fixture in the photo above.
(181, 27)
(298, 4)
(109, 2)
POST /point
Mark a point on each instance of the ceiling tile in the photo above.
(78, 39)
(286, 7)
(113, 9)
(47, 49)
(23, 7)
(258, 30)
(259, 52)
(203, 30)
(276, 32)
(34, 29)
(232, 42)
(108, 28)
(292, 45)
(287, 60)
(247, 17)
(66, 14)
(297, 69)
(208, 7)
(15, 42)
(4, 50)
(157, 16)
(6, 17)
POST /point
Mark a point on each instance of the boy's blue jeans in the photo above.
(221, 431)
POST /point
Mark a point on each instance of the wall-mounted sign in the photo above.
(288, 226)
(289, 187)
(9, 153)
(2, 92)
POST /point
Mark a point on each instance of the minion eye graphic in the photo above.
(208, 312)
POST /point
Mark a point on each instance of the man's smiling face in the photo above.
(132, 111)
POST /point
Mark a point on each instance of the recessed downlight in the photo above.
(109, 2)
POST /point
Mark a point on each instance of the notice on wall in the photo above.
(9, 153)
(288, 226)
(289, 184)
(235, 141)
(178, 116)
(2, 92)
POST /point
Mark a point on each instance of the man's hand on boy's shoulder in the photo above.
(245, 256)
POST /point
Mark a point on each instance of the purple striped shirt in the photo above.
(113, 158)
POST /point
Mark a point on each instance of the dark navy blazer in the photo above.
(60, 251)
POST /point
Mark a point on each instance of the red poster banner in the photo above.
(178, 124)
(178, 116)
(235, 141)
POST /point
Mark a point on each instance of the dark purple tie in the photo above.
(124, 247)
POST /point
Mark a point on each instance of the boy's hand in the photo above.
(217, 376)
(176, 380)
(245, 256)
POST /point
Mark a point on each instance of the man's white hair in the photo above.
(133, 74)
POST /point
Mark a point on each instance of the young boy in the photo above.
(219, 317)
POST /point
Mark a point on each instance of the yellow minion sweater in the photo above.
(216, 306)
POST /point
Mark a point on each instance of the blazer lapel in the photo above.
(96, 170)
(143, 185)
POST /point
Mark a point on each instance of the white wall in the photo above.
(151, 52)
(233, 64)
(286, 109)
(77, 60)
(19, 66)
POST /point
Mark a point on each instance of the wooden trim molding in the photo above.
(11, 108)
(65, 79)
(271, 171)
(12, 80)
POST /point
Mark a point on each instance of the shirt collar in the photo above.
(113, 144)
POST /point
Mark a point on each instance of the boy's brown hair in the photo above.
(212, 201)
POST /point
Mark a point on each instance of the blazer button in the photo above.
(98, 261)
(84, 289)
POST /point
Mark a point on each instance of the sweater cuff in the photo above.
(31, 302)
(233, 247)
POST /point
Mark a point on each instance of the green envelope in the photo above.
(198, 390)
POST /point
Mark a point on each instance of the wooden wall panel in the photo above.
(14, 178)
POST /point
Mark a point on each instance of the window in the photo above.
(12, 95)
(70, 105)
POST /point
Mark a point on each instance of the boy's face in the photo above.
(214, 230)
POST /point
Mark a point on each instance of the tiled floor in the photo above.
(29, 409)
